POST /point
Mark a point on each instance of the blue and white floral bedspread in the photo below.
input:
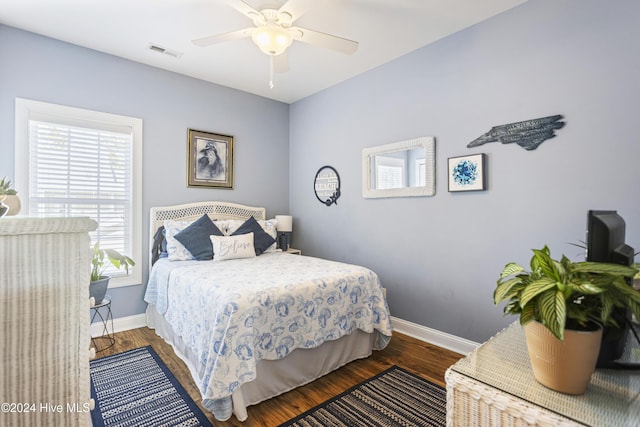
(234, 313)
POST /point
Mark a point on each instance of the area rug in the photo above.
(395, 397)
(135, 388)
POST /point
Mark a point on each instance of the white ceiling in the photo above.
(385, 30)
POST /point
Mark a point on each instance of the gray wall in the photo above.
(440, 256)
(43, 69)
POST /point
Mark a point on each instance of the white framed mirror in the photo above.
(399, 169)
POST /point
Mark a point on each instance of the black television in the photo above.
(606, 243)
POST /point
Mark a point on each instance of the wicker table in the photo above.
(494, 386)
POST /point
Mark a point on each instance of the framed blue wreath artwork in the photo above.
(467, 173)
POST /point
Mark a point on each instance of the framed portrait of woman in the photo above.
(209, 160)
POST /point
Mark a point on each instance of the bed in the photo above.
(254, 325)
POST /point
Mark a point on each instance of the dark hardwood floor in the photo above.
(419, 357)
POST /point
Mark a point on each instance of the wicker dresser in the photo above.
(44, 321)
(494, 386)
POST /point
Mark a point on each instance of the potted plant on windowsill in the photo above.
(100, 260)
(9, 201)
(560, 304)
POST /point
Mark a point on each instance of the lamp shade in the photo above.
(284, 223)
(272, 39)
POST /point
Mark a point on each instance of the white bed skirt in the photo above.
(275, 377)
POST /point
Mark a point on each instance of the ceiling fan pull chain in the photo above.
(271, 85)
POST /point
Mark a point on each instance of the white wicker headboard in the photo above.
(193, 211)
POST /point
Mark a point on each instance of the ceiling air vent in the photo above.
(164, 50)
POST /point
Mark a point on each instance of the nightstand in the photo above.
(294, 251)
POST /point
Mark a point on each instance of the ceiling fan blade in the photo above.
(327, 41)
(280, 63)
(244, 8)
(233, 35)
(294, 8)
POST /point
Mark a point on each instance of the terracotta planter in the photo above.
(565, 366)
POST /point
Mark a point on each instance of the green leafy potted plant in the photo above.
(9, 202)
(6, 187)
(7, 198)
(100, 261)
(558, 303)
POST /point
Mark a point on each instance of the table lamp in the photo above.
(284, 226)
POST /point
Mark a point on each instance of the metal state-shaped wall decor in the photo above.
(528, 134)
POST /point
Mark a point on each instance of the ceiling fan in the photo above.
(273, 32)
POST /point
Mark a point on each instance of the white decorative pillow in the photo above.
(176, 250)
(230, 225)
(269, 226)
(233, 247)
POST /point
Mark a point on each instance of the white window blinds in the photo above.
(389, 172)
(79, 171)
(75, 162)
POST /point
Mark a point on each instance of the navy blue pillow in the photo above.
(261, 239)
(196, 238)
(159, 246)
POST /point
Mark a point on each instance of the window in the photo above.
(390, 172)
(75, 162)
(420, 172)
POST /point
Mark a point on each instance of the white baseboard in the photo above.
(423, 333)
(120, 324)
(433, 336)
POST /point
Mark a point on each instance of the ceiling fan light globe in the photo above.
(271, 40)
